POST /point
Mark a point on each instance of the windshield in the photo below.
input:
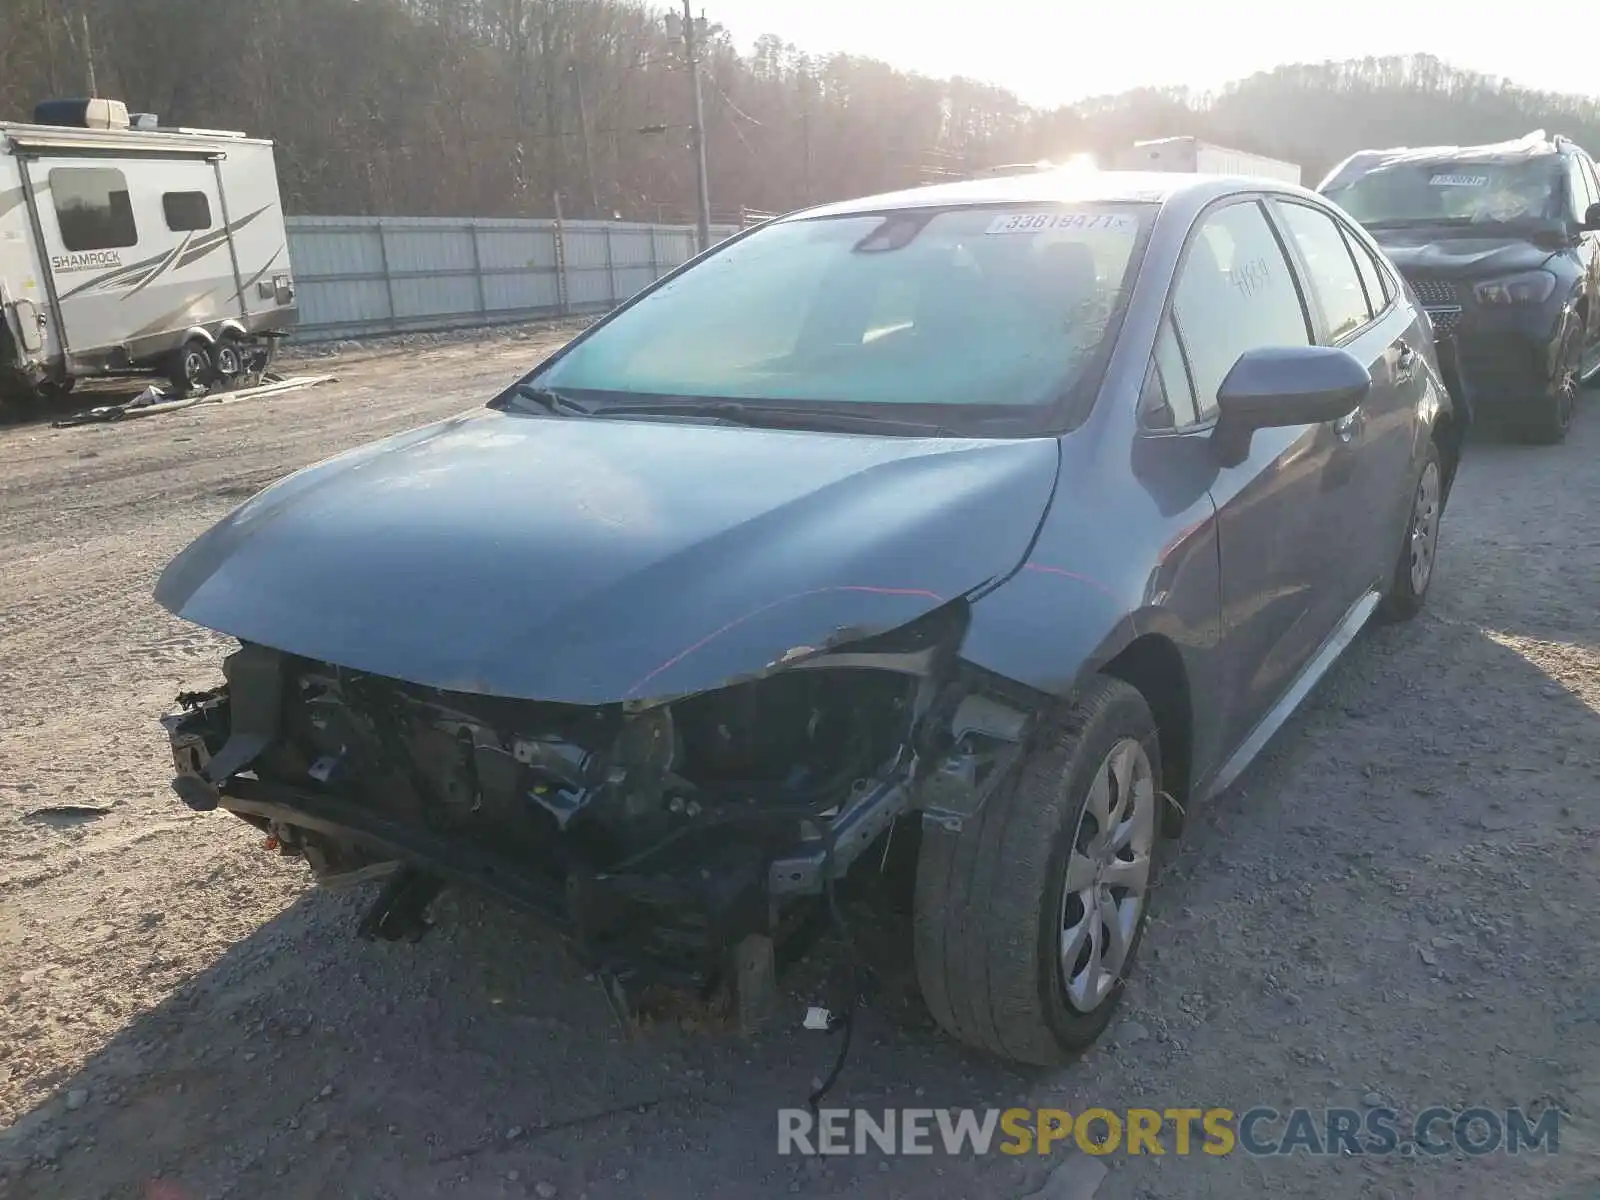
(1455, 191)
(968, 307)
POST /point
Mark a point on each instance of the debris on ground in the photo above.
(153, 401)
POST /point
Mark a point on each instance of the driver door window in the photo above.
(1235, 292)
(1577, 188)
(1591, 185)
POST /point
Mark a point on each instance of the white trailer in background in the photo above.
(1191, 154)
(128, 248)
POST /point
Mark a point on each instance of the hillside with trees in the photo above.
(491, 107)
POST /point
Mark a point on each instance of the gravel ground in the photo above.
(1398, 899)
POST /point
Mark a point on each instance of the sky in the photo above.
(1055, 51)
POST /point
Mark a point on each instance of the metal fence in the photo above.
(362, 275)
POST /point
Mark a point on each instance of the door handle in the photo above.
(1406, 363)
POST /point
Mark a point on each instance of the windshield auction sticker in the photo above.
(1057, 221)
(1460, 181)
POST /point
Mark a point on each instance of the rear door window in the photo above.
(1332, 272)
(1235, 292)
(1373, 277)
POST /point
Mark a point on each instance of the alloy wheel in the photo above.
(1567, 382)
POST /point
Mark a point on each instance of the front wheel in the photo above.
(1550, 417)
(189, 368)
(1028, 919)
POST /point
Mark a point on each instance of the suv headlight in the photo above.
(1530, 287)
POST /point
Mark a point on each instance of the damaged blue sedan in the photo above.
(997, 523)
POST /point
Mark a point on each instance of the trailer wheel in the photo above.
(227, 361)
(190, 367)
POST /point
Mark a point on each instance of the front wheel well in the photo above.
(1448, 435)
(1153, 665)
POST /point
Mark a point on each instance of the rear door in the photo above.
(1368, 476)
(1235, 291)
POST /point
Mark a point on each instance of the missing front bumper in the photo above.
(680, 922)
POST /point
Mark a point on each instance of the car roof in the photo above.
(1528, 148)
(1065, 185)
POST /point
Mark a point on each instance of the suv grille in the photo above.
(1441, 292)
(1445, 320)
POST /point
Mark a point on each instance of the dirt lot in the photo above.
(1399, 899)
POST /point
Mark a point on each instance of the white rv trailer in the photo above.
(128, 248)
(1191, 154)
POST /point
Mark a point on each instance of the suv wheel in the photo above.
(1550, 417)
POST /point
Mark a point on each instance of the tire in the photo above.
(189, 367)
(227, 361)
(1413, 570)
(991, 909)
(1550, 416)
(56, 389)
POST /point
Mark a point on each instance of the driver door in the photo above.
(1585, 193)
(1235, 291)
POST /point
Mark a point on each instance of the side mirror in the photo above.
(1278, 386)
(1591, 219)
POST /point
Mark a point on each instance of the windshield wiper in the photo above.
(809, 416)
(550, 401)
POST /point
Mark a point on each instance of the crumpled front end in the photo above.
(660, 836)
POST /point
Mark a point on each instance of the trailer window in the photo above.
(93, 208)
(186, 211)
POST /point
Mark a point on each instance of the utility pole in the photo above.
(88, 54)
(805, 133)
(697, 134)
(584, 134)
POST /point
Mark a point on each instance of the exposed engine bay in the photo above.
(661, 835)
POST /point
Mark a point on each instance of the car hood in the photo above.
(593, 561)
(1438, 252)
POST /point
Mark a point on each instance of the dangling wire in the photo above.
(847, 1019)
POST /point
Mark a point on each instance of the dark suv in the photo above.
(1499, 244)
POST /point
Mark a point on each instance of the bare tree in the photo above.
(493, 107)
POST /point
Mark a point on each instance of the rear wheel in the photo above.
(227, 361)
(190, 367)
(1413, 573)
(1027, 921)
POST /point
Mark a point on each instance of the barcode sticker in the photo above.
(1460, 181)
(1051, 222)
